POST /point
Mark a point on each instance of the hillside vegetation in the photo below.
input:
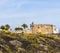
(28, 43)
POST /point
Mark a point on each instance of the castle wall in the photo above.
(43, 28)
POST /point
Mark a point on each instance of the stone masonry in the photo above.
(43, 28)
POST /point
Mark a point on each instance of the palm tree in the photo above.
(7, 27)
(24, 26)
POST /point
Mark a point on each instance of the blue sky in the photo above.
(17, 12)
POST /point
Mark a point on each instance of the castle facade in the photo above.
(43, 28)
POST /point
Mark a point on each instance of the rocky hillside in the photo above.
(29, 43)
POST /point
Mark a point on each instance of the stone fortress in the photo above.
(41, 28)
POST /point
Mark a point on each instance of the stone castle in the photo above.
(41, 28)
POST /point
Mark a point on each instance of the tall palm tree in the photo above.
(24, 26)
